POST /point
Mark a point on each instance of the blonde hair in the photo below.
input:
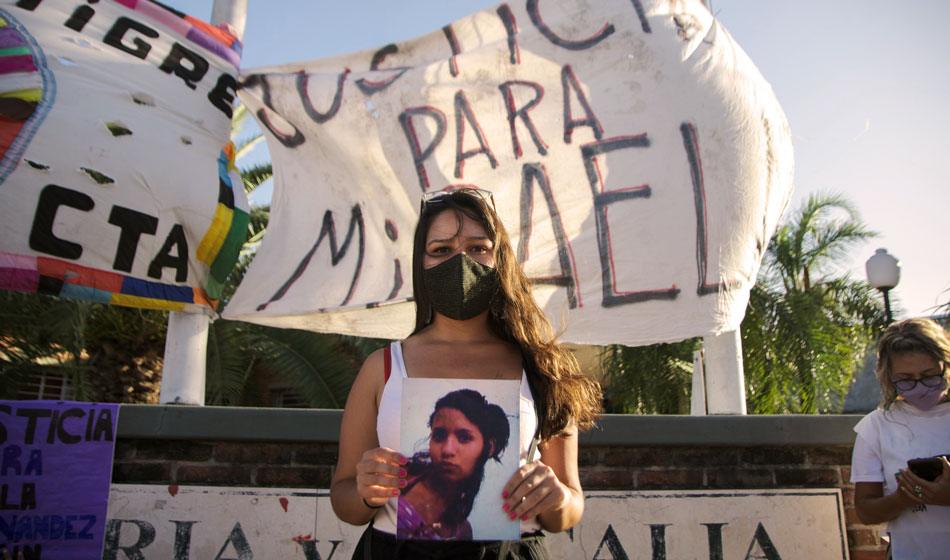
(904, 337)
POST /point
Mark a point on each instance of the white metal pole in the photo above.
(186, 348)
(725, 379)
(186, 342)
(231, 12)
(697, 400)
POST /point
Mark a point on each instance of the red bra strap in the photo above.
(387, 364)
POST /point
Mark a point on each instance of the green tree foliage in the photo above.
(243, 358)
(108, 353)
(942, 312)
(808, 324)
(37, 333)
(652, 379)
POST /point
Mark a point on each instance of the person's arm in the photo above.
(551, 487)
(365, 473)
(872, 506)
(868, 475)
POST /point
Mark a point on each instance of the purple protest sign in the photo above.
(55, 472)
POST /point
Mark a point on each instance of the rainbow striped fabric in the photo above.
(201, 33)
(65, 279)
(222, 243)
(27, 89)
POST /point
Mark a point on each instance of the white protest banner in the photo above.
(117, 181)
(637, 157)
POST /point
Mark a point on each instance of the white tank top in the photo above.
(388, 425)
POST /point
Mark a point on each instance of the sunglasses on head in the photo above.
(435, 197)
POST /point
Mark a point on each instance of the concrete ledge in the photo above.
(184, 422)
(615, 429)
(189, 422)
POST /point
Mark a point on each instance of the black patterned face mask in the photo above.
(461, 287)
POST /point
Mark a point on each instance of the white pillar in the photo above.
(186, 342)
(186, 348)
(725, 379)
(697, 399)
(232, 12)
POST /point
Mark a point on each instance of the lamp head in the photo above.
(883, 270)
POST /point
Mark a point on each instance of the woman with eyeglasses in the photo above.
(475, 319)
(913, 422)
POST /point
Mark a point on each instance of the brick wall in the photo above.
(297, 449)
(722, 468)
(224, 463)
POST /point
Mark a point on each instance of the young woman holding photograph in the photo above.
(475, 319)
(912, 422)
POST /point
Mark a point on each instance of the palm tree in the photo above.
(105, 353)
(806, 329)
(808, 324)
(38, 334)
(244, 358)
(652, 379)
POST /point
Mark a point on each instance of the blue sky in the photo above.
(862, 82)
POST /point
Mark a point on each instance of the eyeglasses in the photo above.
(926, 381)
(435, 197)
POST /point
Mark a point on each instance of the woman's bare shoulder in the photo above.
(376, 358)
(370, 379)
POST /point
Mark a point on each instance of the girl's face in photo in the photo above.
(445, 239)
(455, 444)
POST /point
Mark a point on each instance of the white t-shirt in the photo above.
(886, 441)
(387, 431)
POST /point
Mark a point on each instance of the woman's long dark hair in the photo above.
(564, 396)
(491, 421)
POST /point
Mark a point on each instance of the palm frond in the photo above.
(256, 175)
(313, 362)
(652, 379)
(245, 146)
(229, 363)
(239, 118)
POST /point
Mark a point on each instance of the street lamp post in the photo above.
(884, 272)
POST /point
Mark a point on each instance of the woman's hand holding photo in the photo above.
(533, 490)
(380, 476)
(549, 488)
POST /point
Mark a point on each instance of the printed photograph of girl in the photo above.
(456, 441)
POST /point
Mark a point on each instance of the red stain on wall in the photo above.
(173, 489)
(283, 503)
(301, 538)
